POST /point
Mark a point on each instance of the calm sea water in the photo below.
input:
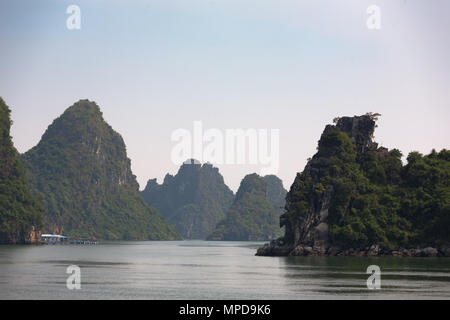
(210, 270)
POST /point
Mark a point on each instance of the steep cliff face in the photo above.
(255, 212)
(81, 172)
(194, 200)
(355, 197)
(306, 217)
(20, 212)
(275, 192)
(309, 225)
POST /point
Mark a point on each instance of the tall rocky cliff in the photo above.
(354, 197)
(255, 212)
(20, 212)
(194, 200)
(81, 172)
(311, 226)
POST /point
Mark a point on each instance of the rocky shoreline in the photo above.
(278, 248)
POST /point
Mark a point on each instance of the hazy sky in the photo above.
(156, 66)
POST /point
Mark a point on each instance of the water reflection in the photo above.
(205, 270)
(345, 277)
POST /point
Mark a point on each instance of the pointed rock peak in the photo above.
(190, 164)
(81, 158)
(254, 215)
(168, 178)
(151, 183)
(5, 120)
(193, 165)
(191, 161)
(81, 123)
(194, 200)
(83, 107)
(252, 183)
(275, 190)
(359, 128)
(271, 178)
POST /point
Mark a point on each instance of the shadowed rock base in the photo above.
(278, 248)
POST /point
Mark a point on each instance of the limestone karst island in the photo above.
(224, 155)
(352, 198)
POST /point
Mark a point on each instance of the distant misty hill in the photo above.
(20, 212)
(255, 212)
(193, 201)
(81, 173)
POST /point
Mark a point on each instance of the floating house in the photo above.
(54, 239)
(59, 239)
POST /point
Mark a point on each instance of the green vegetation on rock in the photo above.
(255, 212)
(81, 173)
(194, 200)
(354, 194)
(20, 212)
